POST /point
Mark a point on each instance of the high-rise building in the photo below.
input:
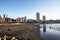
(6, 16)
(44, 26)
(25, 19)
(0, 16)
(37, 17)
(3, 15)
(44, 18)
(1, 20)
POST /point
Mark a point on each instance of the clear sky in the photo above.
(20, 8)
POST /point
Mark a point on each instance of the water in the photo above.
(52, 32)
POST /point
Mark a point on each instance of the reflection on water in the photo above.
(50, 33)
(44, 28)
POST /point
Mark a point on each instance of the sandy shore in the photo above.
(22, 31)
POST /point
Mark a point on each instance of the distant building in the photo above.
(19, 20)
(8, 20)
(37, 17)
(23, 19)
(44, 19)
(14, 20)
(1, 20)
(44, 26)
(30, 20)
(0, 17)
(4, 15)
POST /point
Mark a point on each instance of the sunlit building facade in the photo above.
(38, 17)
(23, 19)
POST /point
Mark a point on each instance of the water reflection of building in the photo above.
(44, 26)
(37, 17)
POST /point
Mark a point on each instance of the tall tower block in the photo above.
(3, 15)
(0, 16)
(44, 26)
(44, 18)
(37, 17)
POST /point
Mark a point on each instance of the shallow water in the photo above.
(52, 33)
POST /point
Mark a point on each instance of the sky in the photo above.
(28, 8)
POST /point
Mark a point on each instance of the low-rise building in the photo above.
(23, 19)
(1, 20)
(19, 20)
(8, 20)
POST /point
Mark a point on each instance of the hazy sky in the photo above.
(20, 8)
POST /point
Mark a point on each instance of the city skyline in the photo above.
(28, 8)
